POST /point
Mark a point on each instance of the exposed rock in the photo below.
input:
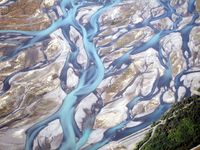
(23, 15)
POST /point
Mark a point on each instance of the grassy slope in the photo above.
(179, 129)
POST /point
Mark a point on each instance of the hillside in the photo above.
(179, 128)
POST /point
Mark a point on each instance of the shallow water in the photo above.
(95, 71)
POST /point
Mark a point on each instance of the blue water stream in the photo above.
(93, 74)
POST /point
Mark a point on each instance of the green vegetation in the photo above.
(178, 129)
(148, 135)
